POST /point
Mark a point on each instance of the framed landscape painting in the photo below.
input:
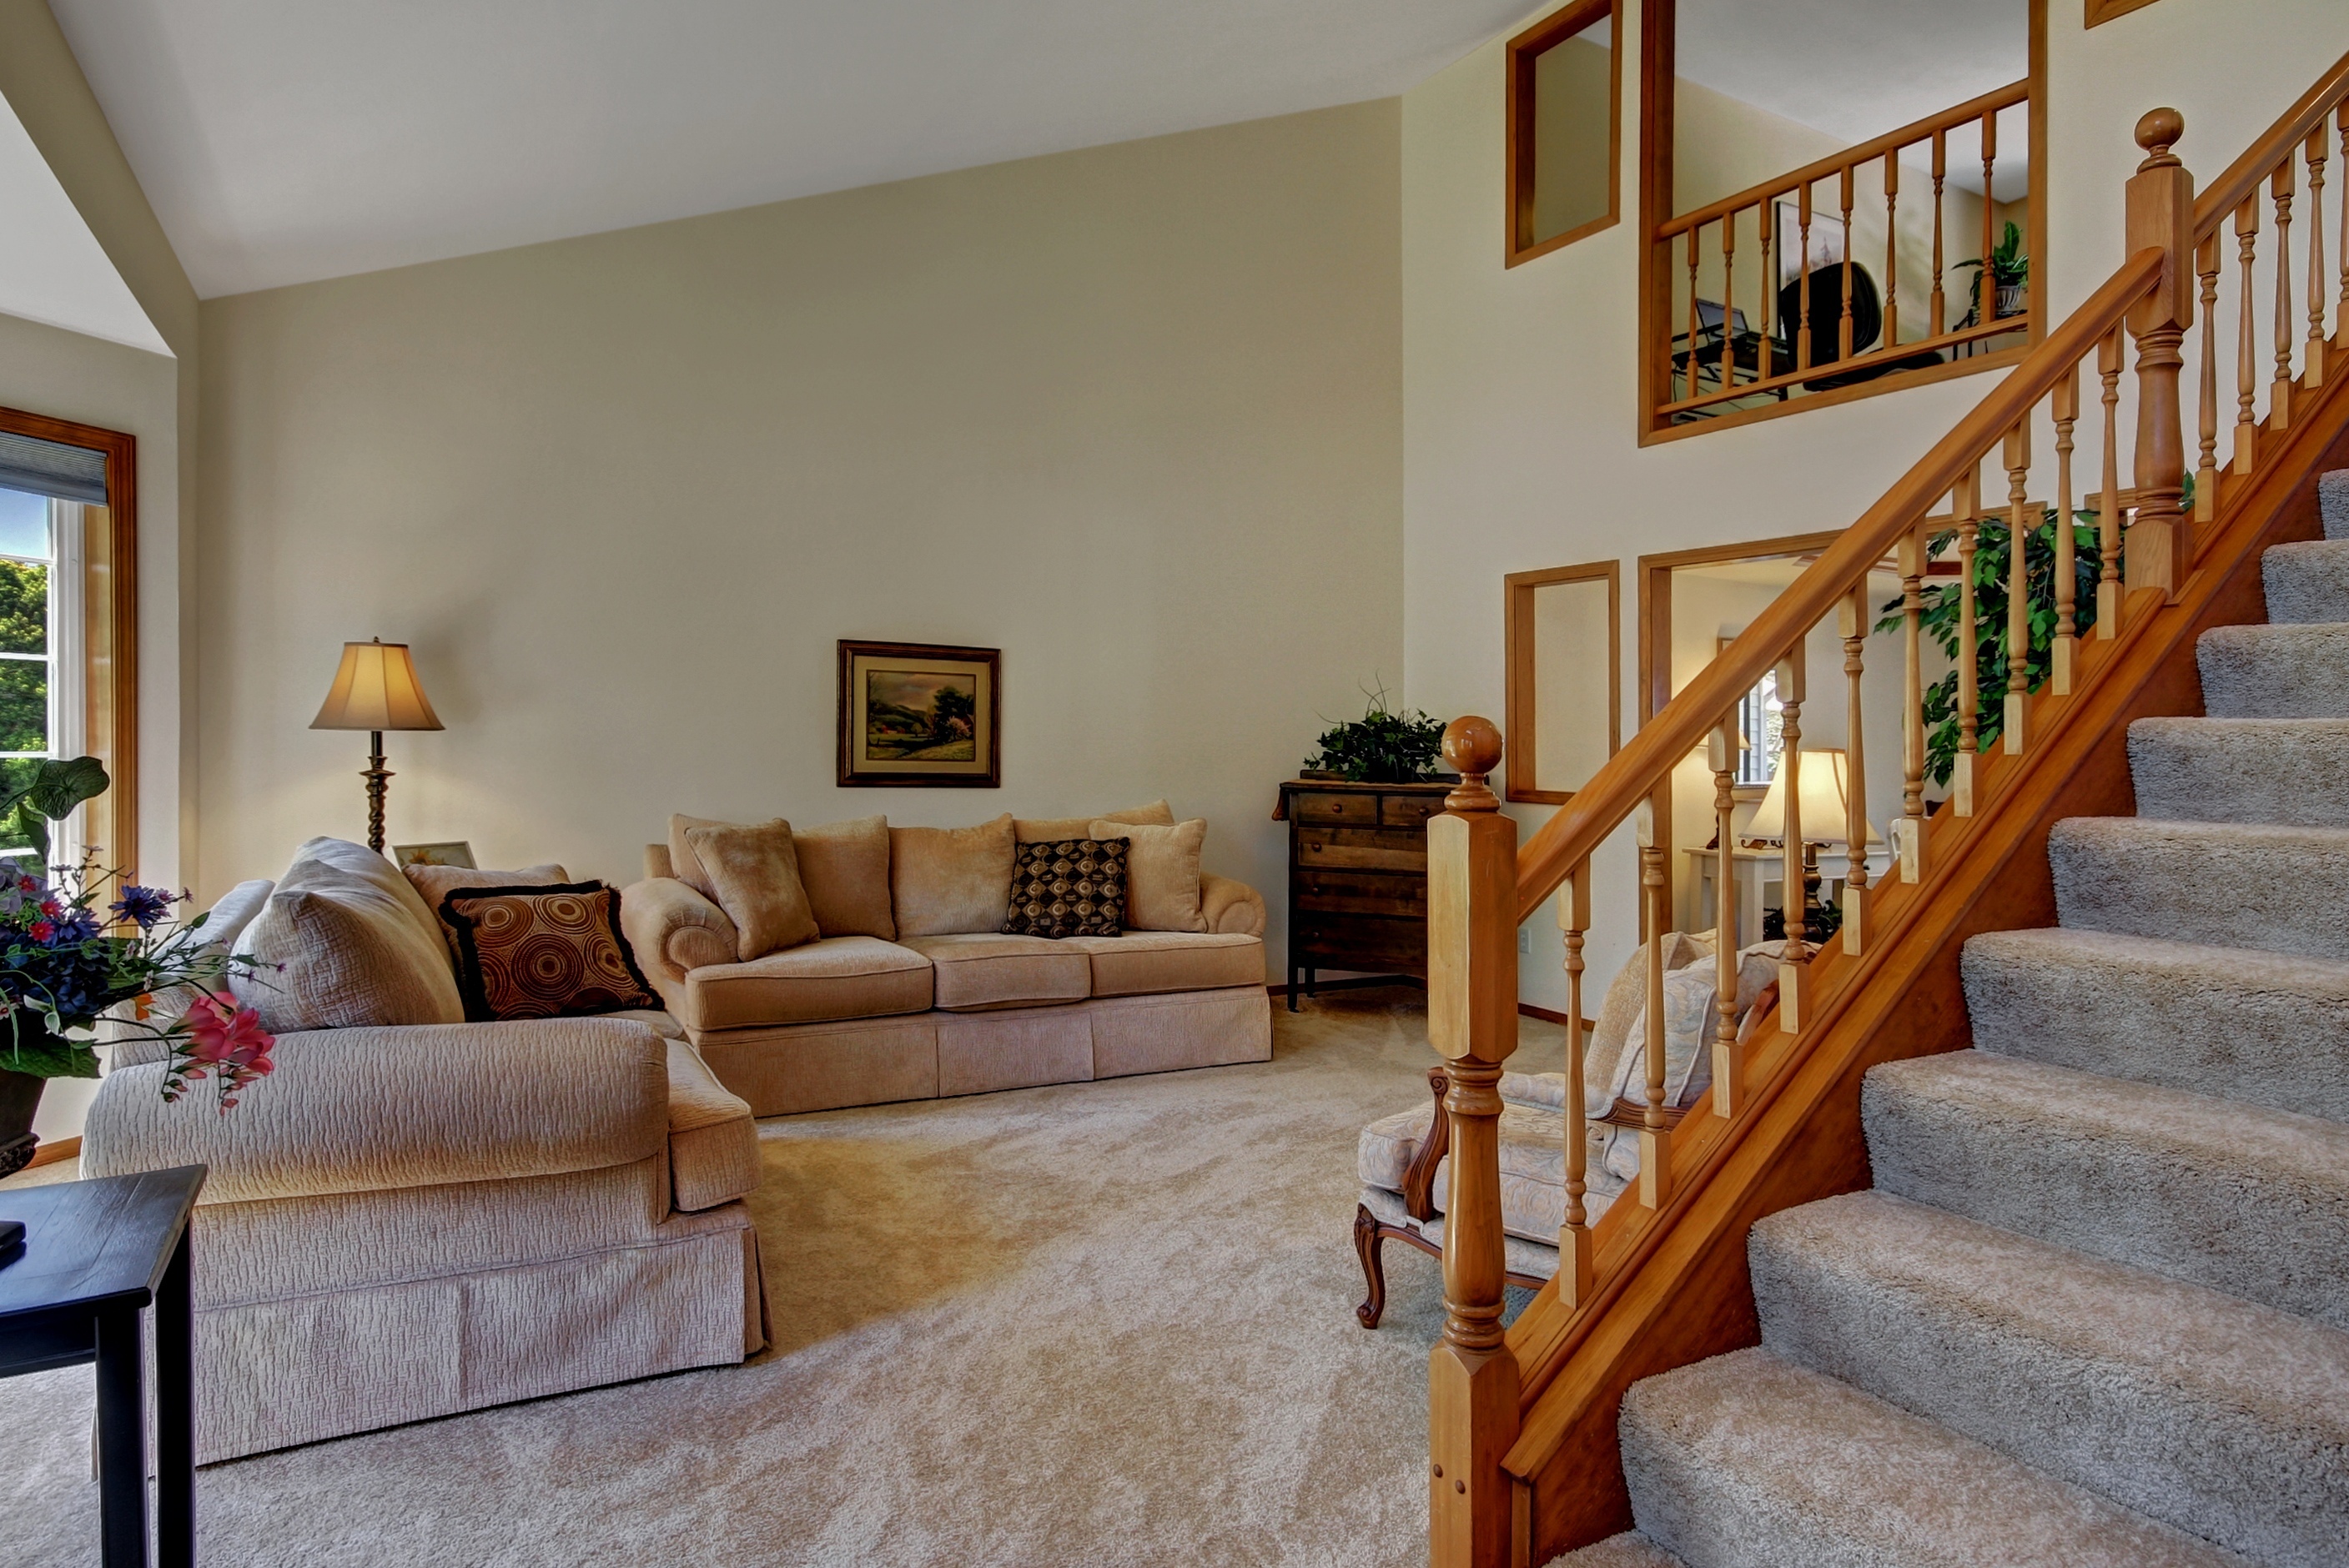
(920, 713)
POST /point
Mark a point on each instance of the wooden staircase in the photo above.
(1524, 1447)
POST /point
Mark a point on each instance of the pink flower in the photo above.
(227, 1039)
(52, 908)
(41, 931)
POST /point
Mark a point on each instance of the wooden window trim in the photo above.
(1659, 61)
(1517, 626)
(1517, 244)
(111, 693)
(2102, 11)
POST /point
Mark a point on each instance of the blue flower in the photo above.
(142, 905)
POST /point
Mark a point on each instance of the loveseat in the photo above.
(414, 1215)
(912, 990)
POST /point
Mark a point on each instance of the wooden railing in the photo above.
(1731, 338)
(2142, 543)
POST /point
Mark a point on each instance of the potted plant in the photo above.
(1382, 747)
(2010, 271)
(65, 965)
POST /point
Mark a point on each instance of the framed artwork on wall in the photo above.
(920, 714)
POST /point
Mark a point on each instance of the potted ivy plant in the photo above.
(1382, 747)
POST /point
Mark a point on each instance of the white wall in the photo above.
(1130, 414)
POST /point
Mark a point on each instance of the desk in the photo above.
(1757, 874)
(95, 1254)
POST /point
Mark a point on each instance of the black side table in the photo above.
(94, 1254)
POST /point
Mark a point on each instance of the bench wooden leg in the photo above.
(1369, 1239)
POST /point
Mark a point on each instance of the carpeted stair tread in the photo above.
(2228, 884)
(2275, 672)
(2266, 1028)
(2306, 583)
(1628, 1550)
(2239, 1198)
(2332, 503)
(2290, 772)
(1747, 1461)
(2223, 1417)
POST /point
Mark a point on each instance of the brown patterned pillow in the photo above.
(1068, 887)
(542, 952)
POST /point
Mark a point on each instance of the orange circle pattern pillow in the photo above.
(542, 952)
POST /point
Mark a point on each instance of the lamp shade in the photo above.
(376, 688)
(1825, 814)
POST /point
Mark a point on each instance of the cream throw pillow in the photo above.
(1162, 873)
(755, 874)
(943, 880)
(1056, 829)
(434, 883)
(345, 942)
(684, 864)
(845, 866)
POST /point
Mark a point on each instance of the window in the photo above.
(1564, 99)
(1760, 724)
(40, 680)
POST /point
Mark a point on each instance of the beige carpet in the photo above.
(1106, 1323)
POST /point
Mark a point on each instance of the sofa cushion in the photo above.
(948, 880)
(684, 864)
(434, 883)
(1044, 830)
(1143, 962)
(1162, 873)
(345, 940)
(543, 952)
(1068, 887)
(1533, 1167)
(756, 873)
(977, 970)
(833, 977)
(713, 1143)
(845, 866)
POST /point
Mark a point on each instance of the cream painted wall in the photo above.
(1131, 414)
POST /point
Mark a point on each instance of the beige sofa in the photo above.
(409, 1221)
(859, 1019)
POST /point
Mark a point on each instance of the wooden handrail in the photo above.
(1851, 157)
(1630, 776)
(2224, 194)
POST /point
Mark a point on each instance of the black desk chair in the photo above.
(1827, 298)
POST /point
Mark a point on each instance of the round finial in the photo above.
(2157, 131)
(1472, 746)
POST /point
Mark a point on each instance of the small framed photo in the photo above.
(920, 714)
(458, 853)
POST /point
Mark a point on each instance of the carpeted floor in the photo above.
(1106, 1323)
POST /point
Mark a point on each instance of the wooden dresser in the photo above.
(1357, 876)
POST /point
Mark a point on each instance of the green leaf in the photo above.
(44, 1055)
(60, 785)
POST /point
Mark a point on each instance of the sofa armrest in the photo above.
(1232, 908)
(674, 930)
(377, 1110)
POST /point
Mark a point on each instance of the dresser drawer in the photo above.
(1364, 849)
(1367, 942)
(1408, 811)
(1361, 892)
(1317, 807)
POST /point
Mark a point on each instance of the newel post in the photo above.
(2161, 215)
(1472, 1021)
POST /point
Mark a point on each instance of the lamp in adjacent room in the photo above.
(1825, 819)
(376, 689)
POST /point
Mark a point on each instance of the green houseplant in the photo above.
(2010, 271)
(1382, 747)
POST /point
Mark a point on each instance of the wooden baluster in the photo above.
(1655, 1136)
(1891, 247)
(1728, 298)
(1793, 964)
(1908, 833)
(2312, 367)
(1472, 1021)
(1803, 328)
(2108, 499)
(1728, 1066)
(1982, 278)
(2160, 206)
(1690, 358)
(2281, 187)
(1961, 774)
(2066, 649)
(1575, 1267)
(1851, 616)
(2017, 711)
(2206, 470)
(1940, 306)
(1843, 331)
(2247, 339)
(1764, 363)
(2341, 249)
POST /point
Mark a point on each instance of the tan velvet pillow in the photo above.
(1626, 1000)
(943, 880)
(437, 883)
(755, 874)
(1162, 873)
(346, 941)
(845, 866)
(1056, 829)
(684, 864)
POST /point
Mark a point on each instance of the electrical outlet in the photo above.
(1524, 940)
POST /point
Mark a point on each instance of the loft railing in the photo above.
(1485, 1379)
(1797, 327)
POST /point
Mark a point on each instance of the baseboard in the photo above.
(1352, 983)
(1549, 1015)
(54, 1149)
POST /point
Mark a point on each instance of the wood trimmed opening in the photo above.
(1522, 59)
(110, 631)
(2102, 11)
(1520, 621)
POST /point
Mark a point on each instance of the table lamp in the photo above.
(376, 689)
(1825, 817)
